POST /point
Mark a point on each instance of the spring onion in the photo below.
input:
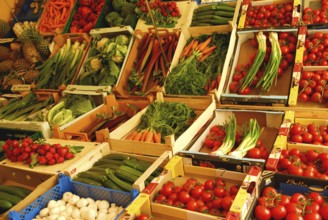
(248, 79)
(229, 139)
(250, 139)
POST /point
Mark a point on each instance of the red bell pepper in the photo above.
(84, 11)
(87, 28)
(85, 2)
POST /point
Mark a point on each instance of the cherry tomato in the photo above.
(279, 212)
(227, 202)
(317, 197)
(269, 192)
(207, 196)
(295, 170)
(293, 216)
(143, 217)
(184, 197)
(293, 207)
(298, 198)
(312, 216)
(296, 129)
(209, 184)
(192, 205)
(197, 191)
(307, 137)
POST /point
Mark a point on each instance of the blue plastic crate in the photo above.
(66, 184)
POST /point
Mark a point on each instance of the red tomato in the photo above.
(317, 197)
(297, 138)
(262, 213)
(282, 199)
(298, 198)
(312, 216)
(254, 153)
(220, 192)
(313, 207)
(167, 190)
(285, 163)
(227, 202)
(143, 217)
(292, 207)
(207, 196)
(279, 212)
(217, 203)
(269, 192)
(293, 216)
(219, 182)
(307, 137)
(184, 197)
(296, 129)
(197, 191)
(295, 170)
(324, 211)
(209, 184)
(192, 205)
(234, 189)
(312, 155)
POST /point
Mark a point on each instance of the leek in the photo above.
(250, 139)
(229, 140)
(271, 72)
(248, 79)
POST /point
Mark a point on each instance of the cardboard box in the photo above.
(248, 3)
(277, 96)
(76, 130)
(185, 10)
(282, 142)
(37, 182)
(87, 162)
(203, 106)
(68, 165)
(178, 172)
(122, 88)
(110, 33)
(194, 6)
(187, 33)
(269, 121)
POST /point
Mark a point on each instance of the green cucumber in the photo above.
(10, 198)
(5, 205)
(125, 186)
(87, 181)
(111, 185)
(94, 176)
(16, 191)
(108, 161)
(116, 157)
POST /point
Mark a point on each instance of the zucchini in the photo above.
(127, 176)
(116, 157)
(5, 205)
(87, 181)
(106, 165)
(217, 6)
(125, 186)
(226, 14)
(130, 170)
(94, 176)
(111, 185)
(136, 165)
(10, 198)
(200, 24)
(108, 161)
(16, 191)
(212, 19)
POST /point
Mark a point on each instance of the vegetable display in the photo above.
(124, 13)
(104, 61)
(150, 69)
(213, 14)
(18, 109)
(213, 196)
(55, 15)
(313, 87)
(38, 152)
(162, 119)
(200, 67)
(67, 109)
(315, 53)
(166, 14)
(298, 206)
(271, 15)
(117, 172)
(58, 71)
(86, 15)
(265, 67)
(11, 195)
(316, 16)
(309, 134)
(226, 139)
(72, 206)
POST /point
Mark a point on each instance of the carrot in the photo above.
(157, 137)
(63, 13)
(137, 137)
(204, 44)
(143, 136)
(203, 57)
(53, 5)
(149, 136)
(131, 135)
(186, 49)
(208, 49)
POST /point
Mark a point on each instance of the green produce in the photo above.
(5, 205)
(10, 196)
(124, 14)
(18, 109)
(104, 61)
(271, 71)
(59, 70)
(69, 108)
(213, 14)
(248, 79)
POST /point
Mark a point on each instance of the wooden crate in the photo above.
(28, 179)
(185, 10)
(75, 130)
(203, 106)
(269, 121)
(87, 162)
(282, 142)
(178, 171)
(187, 33)
(67, 166)
(246, 3)
(277, 96)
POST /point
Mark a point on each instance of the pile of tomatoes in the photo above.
(212, 196)
(214, 140)
(316, 50)
(273, 205)
(307, 163)
(287, 42)
(313, 86)
(37, 152)
(310, 134)
(272, 15)
(316, 16)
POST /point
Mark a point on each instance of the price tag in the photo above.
(19, 88)
(6, 40)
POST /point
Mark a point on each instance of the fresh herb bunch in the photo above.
(166, 13)
(167, 118)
